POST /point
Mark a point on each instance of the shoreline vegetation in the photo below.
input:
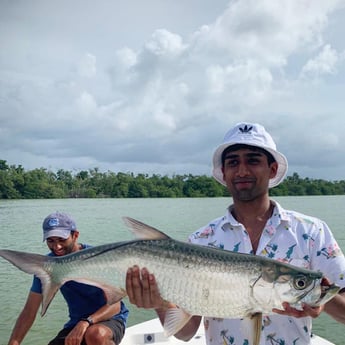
(41, 183)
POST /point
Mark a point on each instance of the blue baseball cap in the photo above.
(58, 225)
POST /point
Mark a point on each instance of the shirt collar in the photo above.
(279, 215)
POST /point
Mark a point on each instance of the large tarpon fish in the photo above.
(200, 280)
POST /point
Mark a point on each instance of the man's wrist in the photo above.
(89, 320)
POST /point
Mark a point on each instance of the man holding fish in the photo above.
(92, 321)
(248, 164)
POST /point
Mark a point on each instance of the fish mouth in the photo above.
(327, 293)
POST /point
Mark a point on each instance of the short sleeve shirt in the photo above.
(289, 237)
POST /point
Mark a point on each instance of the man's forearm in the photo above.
(336, 307)
(20, 330)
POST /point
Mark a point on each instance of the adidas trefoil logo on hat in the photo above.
(246, 129)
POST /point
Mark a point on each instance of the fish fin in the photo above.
(49, 291)
(143, 231)
(257, 325)
(34, 264)
(175, 319)
(252, 326)
(112, 294)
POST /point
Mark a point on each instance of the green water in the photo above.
(100, 221)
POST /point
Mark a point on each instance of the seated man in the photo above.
(92, 321)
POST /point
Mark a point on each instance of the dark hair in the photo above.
(270, 158)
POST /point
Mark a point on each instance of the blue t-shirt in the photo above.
(82, 299)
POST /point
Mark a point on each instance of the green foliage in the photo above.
(16, 183)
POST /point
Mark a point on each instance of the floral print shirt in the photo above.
(289, 237)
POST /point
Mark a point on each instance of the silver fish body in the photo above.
(218, 283)
(200, 280)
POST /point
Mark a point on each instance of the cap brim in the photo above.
(62, 233)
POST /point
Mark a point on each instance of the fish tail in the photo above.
(34, 264)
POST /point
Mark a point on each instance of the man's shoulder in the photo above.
(297, 216)
(85, 246)
(300, 217)
(208, 230)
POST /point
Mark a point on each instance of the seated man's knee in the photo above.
(98, 335)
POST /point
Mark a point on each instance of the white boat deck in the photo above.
(151, 332)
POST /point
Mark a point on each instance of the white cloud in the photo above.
(126, 57)
(248, 80)
(324, 63)
(158, 89)
(86, 103)
(87, 66)
(166, 44)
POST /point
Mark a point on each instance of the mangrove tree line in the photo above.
(41, 183)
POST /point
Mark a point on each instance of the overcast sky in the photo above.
(152, 86)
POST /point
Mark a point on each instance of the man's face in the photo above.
(60, 246)
(247, 173)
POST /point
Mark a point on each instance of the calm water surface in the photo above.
(100, 221)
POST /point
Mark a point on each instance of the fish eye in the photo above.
(300, 282)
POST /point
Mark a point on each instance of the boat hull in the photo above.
(151, 332)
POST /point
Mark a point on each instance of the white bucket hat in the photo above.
(251, 134)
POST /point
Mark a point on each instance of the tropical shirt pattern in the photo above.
(289, 237)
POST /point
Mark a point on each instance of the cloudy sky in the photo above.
(152, 86)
